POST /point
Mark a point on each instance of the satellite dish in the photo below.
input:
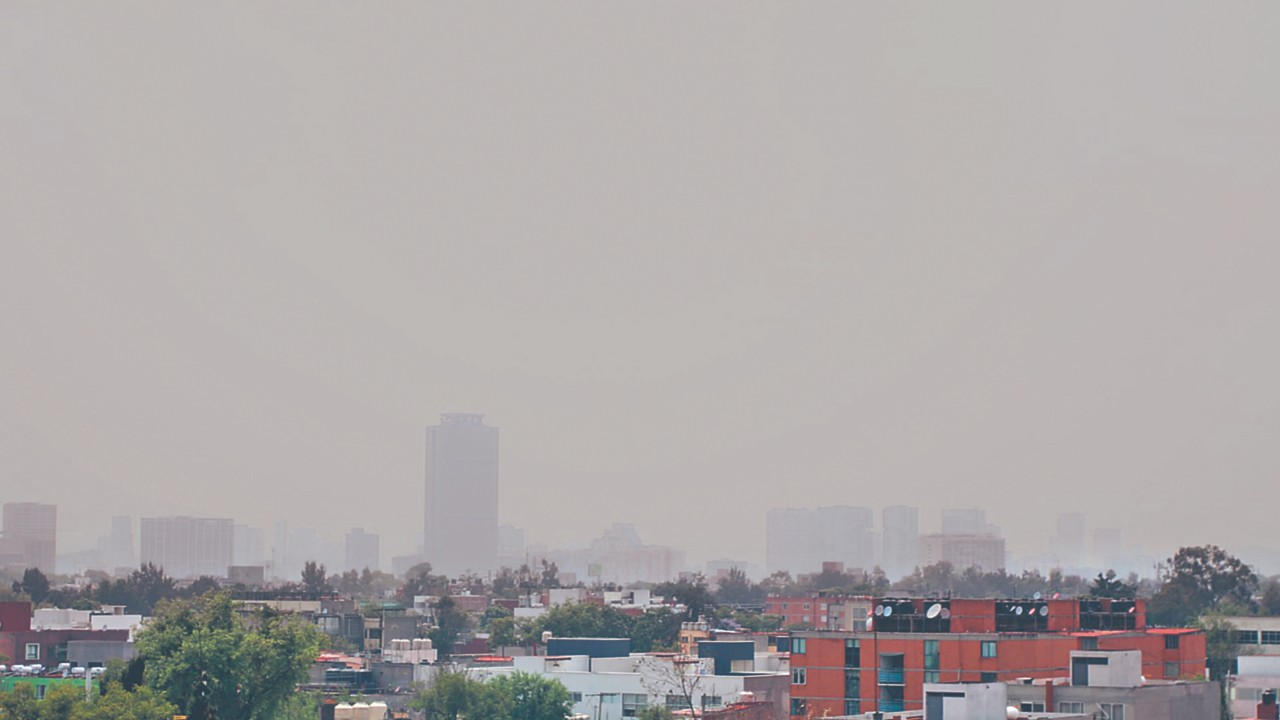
(879, 610)
(1017, 610)
(1133, 609)
(934, 611)
(888, 610)
(870, 624)
(946, 613)
(1037, 595)
(1044, 611)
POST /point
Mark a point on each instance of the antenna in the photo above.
(934, 611)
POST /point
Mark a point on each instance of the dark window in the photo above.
(1270, 637)
(852, 683)
(1088, 643)
(1170, 642)
(988, 648)
(1246, 637)
(852, 653)
(798, 706)
(1031, 707)
(988, 677)
(851, 707)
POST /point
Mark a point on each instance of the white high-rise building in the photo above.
(901, 531)
(31, 534)
(460, 529)
(188, 547)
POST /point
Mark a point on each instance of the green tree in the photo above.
(450, 624)
(119, 704)
(19, 704)
(419, 580)
(737, 589)
(1200, 580)
(34, 584)
(693, 594)
(455, 696)
(1271, 597)
(1109, 586)
(210, 663)
(314, 578)
(60, 702)
(502, 633)
(533, 697)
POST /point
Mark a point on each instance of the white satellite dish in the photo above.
(879, 610)
(934, 611)
(1037, 595)
(888, 610)
(1044, 611)
(1017, 610)
(946, 613)
(871, 623)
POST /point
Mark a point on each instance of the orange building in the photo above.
(916, 641)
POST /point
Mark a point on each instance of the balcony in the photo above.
(892, 677)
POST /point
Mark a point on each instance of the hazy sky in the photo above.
(695, 260)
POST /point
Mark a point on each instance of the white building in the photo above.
(188, 547)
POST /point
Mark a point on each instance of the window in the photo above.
(988, 648)
(1246, 637)
(1076, 708)
(1270, 637)
(798, 676)
(852, 653)
(799, 706)
(806, 618)
(1031, 707)
(1171, 671)
(40, 690)
(797, 646)
(575, 697)
(1115, 711)
(987, 677)
(931, 661)
(852, 679)
(1089, 643)
(1171, 642)
(806, 606)
(851, 707)
(711, 701)
(633, 703)
(33, 651)
(677, 702)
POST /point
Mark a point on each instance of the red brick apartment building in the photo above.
(915, 641)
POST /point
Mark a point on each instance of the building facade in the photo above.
(985, 552)
(188, 547)
(915, 641)
(900, 530)
(31, 534)
(363, 550)
(460, 531)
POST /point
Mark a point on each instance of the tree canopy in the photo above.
(1199, 580)
(210, 663)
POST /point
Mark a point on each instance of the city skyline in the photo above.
(686, 259)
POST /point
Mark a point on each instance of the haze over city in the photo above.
(694, 265)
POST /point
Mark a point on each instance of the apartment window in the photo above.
(1170, 642)
(988, 648)
(851, 707)
(712, 701)
(1171, 671)
(806, 606)
(797, 646)
(852, 653)
(1031, 707)
(677, 702)
(852, 680)
(1245, 637)
(33, 651)
(1270, 637)
(1113, 711)
(799, 706)
(40, 690)
(987, 677)
(633, 703)
(806, 618)
(575, 697)
(931, 661)
(1089, 643)
(798, 676)
(1076, 708)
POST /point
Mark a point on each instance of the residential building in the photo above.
(25, 644)
(964, 521)
(116, 551)
(188, 547)
(915, 641)
(819, 610)
(460, 530)
(605, 682)
(248, 545)
(1255, 675)
(900, 530)
(1112, 685)
(1256, 634)
(362, 550)
(31, 534)
(985, 552)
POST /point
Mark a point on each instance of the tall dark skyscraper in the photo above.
(461, 529)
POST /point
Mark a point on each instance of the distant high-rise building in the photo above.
(188, 547)
(901, 532)
(1108, 548)
(362, 550)
(511, 547)
(460, 532)
(800, 540)
(964, 521)
(31, 534)
(115, 551)
(1068, 544)
(249, 546)
(985, 552)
